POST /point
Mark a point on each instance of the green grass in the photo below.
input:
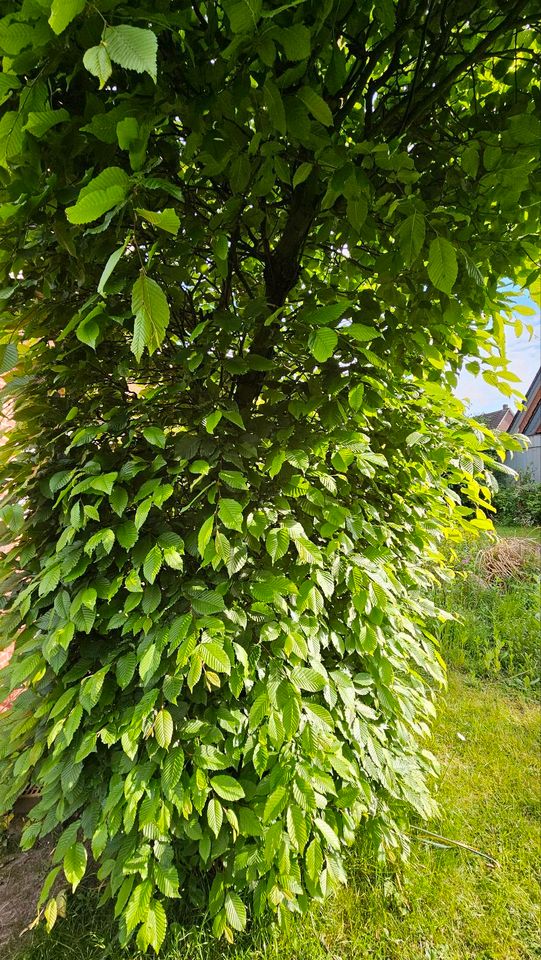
(530, 533)
(445, 905)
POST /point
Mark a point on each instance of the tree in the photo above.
(246, 247)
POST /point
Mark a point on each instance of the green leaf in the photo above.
(9, 356)
(357, 209)
(322, 343)
(212, 420)
(320, 316)
(227, 788)
(215, 815)
(296, 827)
(411, 235)
(360, 332)
(296, 41)
(306, 678)
(166, 219)
(207, 602)
(127, 534)
(244, 15)
(355, 396)
(230, 513)
(214, 656)
(153, 564)
(316, 105)
(40, 122)
(115, 257)
(275, 804)
(151, 310)
(118, 500)
(277, 543)
(275, 106)
(75, 864)
(63, 12)
(103, 193)
(155, 436)
(163, 728)
(153, 930)
(98, 62)
(234, 479)
(235, 911)
(125, 669)
(133, 48)
(205, 533)
(442, 264)
(171, 768)
(302, 173)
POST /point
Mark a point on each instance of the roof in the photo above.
(495, 419)
(528, 420)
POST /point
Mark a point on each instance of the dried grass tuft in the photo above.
(510, 558)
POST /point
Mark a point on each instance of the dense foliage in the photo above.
(519, 502)
(245, 248)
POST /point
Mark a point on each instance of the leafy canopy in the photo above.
(245, 248)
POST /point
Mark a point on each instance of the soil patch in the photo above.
(21, 878)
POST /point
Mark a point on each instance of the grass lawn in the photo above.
(446, 905)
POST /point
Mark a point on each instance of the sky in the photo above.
(525, 358)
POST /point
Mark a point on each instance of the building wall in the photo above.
(527, 461)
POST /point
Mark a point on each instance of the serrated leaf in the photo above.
(314, 860)
(306, 678)
(166, 219)
(234, 479)
(63, 12)
(40, 122)
(125, 669)
(357, 209)
(244, 15)
(163, 728)
(118, 500)
(296, 41)
(207, 602)
(235, 911)
(274, 804)
(230, 513)
(296, 827)
(227, 787)
(411, 236)
(151, 310)
(205, 533)
(154, 927)
(115, 257)
(442, 264)
(215, 815)
(103, 193)
(98, 62)
(275, 106)
(9, 356)
(153, 564)
(127, 534)
(361, 332)
(214, 656)
(322, 343)
(166, 880)
(277, 543)
(171, 768)
(316, 105)
(75, 864)
(133, 48)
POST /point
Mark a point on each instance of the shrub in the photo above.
(245, 250)
(519, 503)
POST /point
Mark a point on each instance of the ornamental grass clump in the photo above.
(245, 250)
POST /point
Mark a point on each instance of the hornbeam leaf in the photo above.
(411, 235)
(103, 193)
(227, 787)
(230, 513)
(316, 105)
(109, 267)
(442, 264)
(98, 62)
(166, 219)
(215, 815)
(153, 930)
(63, 12)
(9, 356)
(163, 728)
(133, 48)
(75, 864)
(322, 343)
(235, 911)
(149, 304)
(39, 122)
